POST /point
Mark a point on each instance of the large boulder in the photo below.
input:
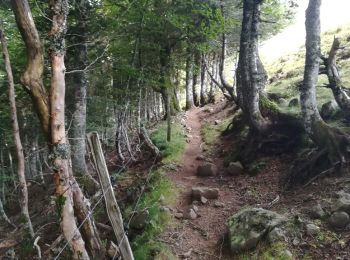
(207, 193)
(249, 226)
(207, 169)
(328, 109)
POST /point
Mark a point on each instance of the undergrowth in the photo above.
(171, 151)
(211, 132)
(158, 194)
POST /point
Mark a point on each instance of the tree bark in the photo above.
(60, 148)
(196, 70)
(251, 75)
(32, 78)
(189, 76)
(23, 194)
(203, 89)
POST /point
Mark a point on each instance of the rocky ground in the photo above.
(308, 222)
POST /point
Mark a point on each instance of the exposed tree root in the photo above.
(330, 158)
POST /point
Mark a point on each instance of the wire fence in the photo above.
(101, 198)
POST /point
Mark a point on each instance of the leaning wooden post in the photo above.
(112, 207)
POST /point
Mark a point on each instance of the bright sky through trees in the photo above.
(333, 14)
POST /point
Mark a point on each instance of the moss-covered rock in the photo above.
(249, 226)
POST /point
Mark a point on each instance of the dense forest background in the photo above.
(100, 100)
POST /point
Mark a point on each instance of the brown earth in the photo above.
(205, 237)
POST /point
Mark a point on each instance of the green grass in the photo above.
(171, 151)
(211, 133)
(158, 192)
(290, 69)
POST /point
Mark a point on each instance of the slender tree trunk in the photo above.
(203, 90)
(168, 137)
(23, 191)
(308, 92)
(196, 70)
(189, 73)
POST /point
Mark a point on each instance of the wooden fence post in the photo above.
(113, 211)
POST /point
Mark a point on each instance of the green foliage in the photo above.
(160, 192)
(171, 151)
(60, 201)
(25, 248)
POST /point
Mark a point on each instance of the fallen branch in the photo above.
(37, 246)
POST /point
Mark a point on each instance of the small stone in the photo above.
(188, 141)
(203, 200)
(218, 204)
(191, 214)
(317, 212)
(339, 219)
(140, 220)
(179, 215)
(343, 202)
(200, 158)
(312, 229)
(166, 209)
(195, 208)
(288, 254)
(207, 169)
(234, 169)
(296, 241)
(216, 122)
(208, 193)
(328, 109)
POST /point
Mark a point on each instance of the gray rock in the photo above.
(294, 102)
(234, 169)
(216, 122)
(312, 229)
(249, 226)
(317, 211)
(339, 219)
(140, 220)
(191, 214)
(200, 158)
(343, 202)
(207, 169)
(288, 254)
(275, 235)
(179, 215)
(203, 200)
(218, 204)
(208, 193)
(328, 109)
(195, 208)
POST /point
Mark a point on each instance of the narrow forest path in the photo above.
(202, 237)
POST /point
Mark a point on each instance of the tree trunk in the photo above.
(60, 148)
(80, 85)
(23, 191)
(189, 73)
(203, 90)
(195, 78)
(251, 75)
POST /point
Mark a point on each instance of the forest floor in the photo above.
(205, 237)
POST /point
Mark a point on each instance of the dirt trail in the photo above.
(201, 238)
